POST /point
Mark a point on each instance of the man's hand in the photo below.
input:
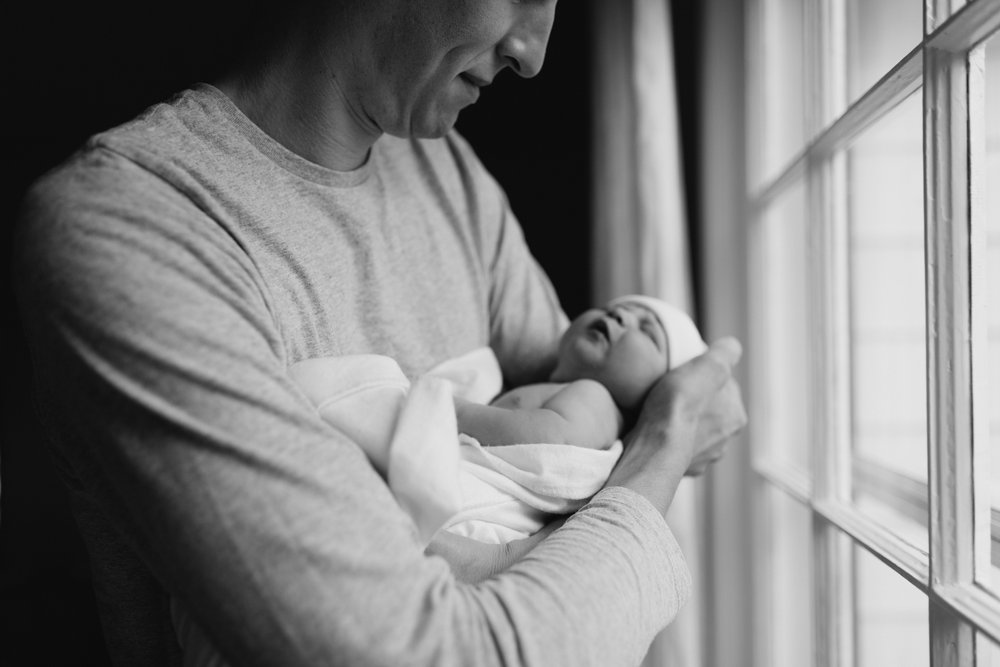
(720, 411)
(723, 418)
(474, 561)
(685, 422)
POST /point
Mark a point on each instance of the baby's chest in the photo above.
(528, 396)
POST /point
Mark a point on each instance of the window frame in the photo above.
(948, 64)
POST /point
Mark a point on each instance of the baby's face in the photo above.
(624, 348)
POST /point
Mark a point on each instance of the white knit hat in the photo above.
(683, 340)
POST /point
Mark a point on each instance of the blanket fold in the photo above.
(439, 477)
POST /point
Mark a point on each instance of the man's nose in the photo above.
(523, 48)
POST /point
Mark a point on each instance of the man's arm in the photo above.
(167, 386)
(660, 451)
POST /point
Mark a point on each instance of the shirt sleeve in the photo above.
(166, 389)
(526, 318)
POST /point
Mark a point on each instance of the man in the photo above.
(312, 203)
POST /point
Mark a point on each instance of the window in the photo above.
(874, 330)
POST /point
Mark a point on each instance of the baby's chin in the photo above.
(628, 398)
(581, 358)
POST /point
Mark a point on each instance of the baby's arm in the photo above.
(581, 414)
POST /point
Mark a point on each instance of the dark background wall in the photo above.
(82, 67)
(534, 136)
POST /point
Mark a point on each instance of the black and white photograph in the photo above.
(461, 333)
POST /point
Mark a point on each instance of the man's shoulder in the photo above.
(94, 179)
(82, 216)
(144, 168)
(91, 177)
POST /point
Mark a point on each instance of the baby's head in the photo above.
(627, 346)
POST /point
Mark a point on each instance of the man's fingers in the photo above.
(727, 350)
(715, 367)
(696, 470)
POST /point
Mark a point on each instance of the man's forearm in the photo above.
(650, 468)
(596, 591)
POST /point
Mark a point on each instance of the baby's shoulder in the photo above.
(589, 391)
(588, 406)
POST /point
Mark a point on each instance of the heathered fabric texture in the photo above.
(170, 273)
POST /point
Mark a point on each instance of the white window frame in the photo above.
(948, 64)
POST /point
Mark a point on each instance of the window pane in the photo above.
(987, 651)
(992, 272)
(892, 625)
(783, 112)
(787, 623)
(879, 34)
(887, 312)
(781, 338)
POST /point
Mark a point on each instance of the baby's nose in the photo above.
(624, 316)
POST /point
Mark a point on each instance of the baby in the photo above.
(560, 439)
(608, 361)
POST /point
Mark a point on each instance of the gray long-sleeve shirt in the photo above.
(170, 273)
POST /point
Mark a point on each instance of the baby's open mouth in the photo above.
(601, 327)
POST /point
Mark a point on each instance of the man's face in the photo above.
(432, 57)
(624, 348)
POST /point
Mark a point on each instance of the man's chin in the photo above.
(421, 132)
(432, 126)
(436, 131)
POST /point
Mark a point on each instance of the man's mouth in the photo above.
(471, 86)
(473, 80)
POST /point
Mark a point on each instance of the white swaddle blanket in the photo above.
(440, 478)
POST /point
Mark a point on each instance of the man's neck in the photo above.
(299, 102)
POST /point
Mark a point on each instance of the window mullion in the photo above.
(835, 617)
(950, 455)
(982, 465)
(948, 305)
(952, 639)
(827, 182)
